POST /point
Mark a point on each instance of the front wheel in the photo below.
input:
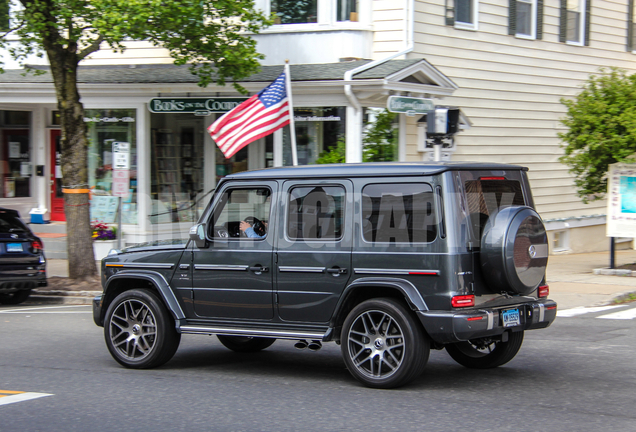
(15, 297)
(485, 353)
(245, 344)
(139, 331)
(383, 344)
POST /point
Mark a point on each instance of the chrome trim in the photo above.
(541, 312)
(394, 271)
(220, 267)
(491, 320)
(295, 269)
(141, 265)
(232, 289)
(279, 334)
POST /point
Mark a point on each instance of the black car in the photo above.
(389, 260)
(22, 261)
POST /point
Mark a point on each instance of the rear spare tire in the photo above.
(514, 251)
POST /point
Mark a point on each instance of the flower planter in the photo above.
(102, 247)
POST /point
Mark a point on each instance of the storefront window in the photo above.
(177, 165)
(106, 127)
(15, 154)
(295, 11)
(317, 130)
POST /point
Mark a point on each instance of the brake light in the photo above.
(463, 301)
(492, 178)
(543, 291)
(37, 246)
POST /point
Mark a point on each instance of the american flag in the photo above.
(255, 118)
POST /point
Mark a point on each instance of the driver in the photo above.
(246, 227)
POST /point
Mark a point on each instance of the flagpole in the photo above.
(292, 124)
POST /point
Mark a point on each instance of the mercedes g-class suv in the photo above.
(388, 260)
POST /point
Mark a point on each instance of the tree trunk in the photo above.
(74, 143)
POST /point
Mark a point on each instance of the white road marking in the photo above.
(46, 309)
(21, 397)
(585, 310)
(621, 315)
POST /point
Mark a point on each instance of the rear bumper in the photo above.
(461, 325)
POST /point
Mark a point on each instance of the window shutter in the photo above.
(450, 12)
(588, 10)
(540, 19)
(563, 21)
(630, 26)
(512, 17)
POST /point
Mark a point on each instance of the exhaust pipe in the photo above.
(314, 345)
(301, 344)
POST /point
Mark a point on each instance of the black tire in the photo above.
(245, 344)
(485, 353)
(15, 297)
(139, 331)
(391, 338)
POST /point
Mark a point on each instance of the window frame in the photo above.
(533, 19)
(461, 25)
(584, 25)
(288, 207)
(220, 205)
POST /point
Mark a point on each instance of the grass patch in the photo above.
(627, 298)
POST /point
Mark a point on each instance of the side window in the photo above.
(242, 213)
(398, 213)
(316, 213)
(462, 14)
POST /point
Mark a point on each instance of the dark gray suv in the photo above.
(387, 260)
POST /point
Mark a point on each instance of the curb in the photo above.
(614, 272)
(62, 297)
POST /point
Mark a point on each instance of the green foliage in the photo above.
(601, 124)
(212, 36)
(380, 141)
(336, 154)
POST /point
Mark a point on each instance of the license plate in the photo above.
(14, 247)
(511, 318)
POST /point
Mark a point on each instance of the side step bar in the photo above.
(233, 331)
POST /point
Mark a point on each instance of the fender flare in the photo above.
(408, 290)
(159, 281)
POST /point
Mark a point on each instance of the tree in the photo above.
(211, 36)
(601, 124)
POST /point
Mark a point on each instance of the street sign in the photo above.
(121, 183)
(121, 155)
(409, 105)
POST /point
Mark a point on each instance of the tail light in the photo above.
(543, 291)
(37, 246)
(463, 301)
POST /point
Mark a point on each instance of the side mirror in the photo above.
(197, 235)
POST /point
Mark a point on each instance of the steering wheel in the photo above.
(257, 225)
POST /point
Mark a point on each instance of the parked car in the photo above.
(387, 260)
(22, 261)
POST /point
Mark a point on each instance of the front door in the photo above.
(232, 277)
(57, 198)
(314, 249)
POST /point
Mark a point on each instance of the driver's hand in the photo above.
(244, 225)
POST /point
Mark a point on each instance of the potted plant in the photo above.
(104, 239)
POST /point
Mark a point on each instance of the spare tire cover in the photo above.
(514, 250)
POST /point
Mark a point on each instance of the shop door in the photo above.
(57, 199)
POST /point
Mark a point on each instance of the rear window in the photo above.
(10, 223)
(398, 213)
(487, 195)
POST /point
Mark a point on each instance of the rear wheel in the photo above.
(15, 297)
(485, 353)
(139, 331)
(383, 344)
(245, 344)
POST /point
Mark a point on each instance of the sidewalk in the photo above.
(571, 279)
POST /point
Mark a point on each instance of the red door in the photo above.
(57, 199)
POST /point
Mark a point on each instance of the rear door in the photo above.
(313, 248)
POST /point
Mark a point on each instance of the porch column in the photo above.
(354, 135)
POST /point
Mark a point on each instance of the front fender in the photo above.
(156, 279)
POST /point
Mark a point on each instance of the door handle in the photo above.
(259, 269)
(337, 271)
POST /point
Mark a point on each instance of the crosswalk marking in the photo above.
(46, 309)
(12, 396)
(585, 310)
(623, 315)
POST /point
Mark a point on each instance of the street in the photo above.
(576, 375)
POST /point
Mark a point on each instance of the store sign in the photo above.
(409, 105)
(621, 200)
(196, 106)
